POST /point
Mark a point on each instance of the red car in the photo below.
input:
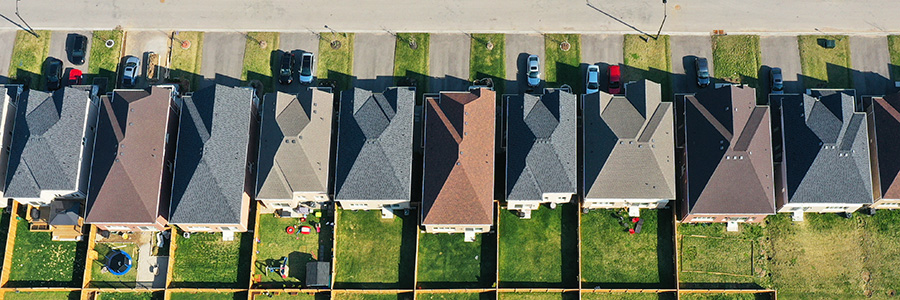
(74, 77)
(615, 78)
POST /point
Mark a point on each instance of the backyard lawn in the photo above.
(372, 252)
(261, 57)
(745, 296)
(185, 63)
(446, 261)
(613, 258)
(42, 296)
(106, 279)
(894, 48)
(628, 296)
(103, 61)
(736, 58)
(453, 296)
(825, 68)
(336, 64)
(131, 296)
(412, 63)
(371, 296)
(650, 59)
(563, 67)
(711, 256)
(537, 296)
(29, 53)
(300, 249)
(204, 260)
(286, 296)
(541, 251)
(39, 261)
(208, 296)
(488, 63)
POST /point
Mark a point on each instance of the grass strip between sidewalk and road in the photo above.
(104, 60)
(563, 66)
(650, 59)
(185, 63)
(825, 68)
(412, 63)
(488, 63)
(261, 57)
(736, 58)
(336, 64)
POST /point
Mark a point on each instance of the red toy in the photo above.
(290, 230)
(305, 229)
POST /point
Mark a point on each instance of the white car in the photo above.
(131, 71)
(307, 67)
(534, 71)
(593, 79)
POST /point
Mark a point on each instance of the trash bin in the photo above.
(826, 43)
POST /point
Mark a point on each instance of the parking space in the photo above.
(449, 62)
(685, 49)
(518, 47)
(7, 39)
(298, 43)
(603, 50)
(223, 58)
(373, 61)
(143, 45)
(62, 41)
(871, 61)
(781, 52)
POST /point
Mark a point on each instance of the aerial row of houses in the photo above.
(147, 159)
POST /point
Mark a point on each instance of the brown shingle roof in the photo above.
(458, 184)
(886, 114)
(129, 156)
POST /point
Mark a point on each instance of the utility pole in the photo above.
(665, 15)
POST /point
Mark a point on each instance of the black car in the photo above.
(286, 73)
(53, 71)
(79, 49)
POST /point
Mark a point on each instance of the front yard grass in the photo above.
(412, 63)
(185, 63)
(205, 261)
(208, 296)
(563, 67)
(300, 249)
(42, 296)
(29, 53)
(446, 261)
(132, 296)
(736, 58)
(825, 68)
(336, 64)
(259, 60)
(541, 251)
(712, 257)
(103, 61)
(627, 296)
(894, 49)
(107, 279)
(649, 59)
(372, 252)
(488, 63)
(612, 258)
(39, 261)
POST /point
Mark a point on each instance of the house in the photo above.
(11, 94)
(883, 115)
(725, 144)
(374, 150)
(213, 181)
(295, 151)
(541, 159)
(629, 149)
(458, 178)
(134, 155)
(50, 157)
(824, 153)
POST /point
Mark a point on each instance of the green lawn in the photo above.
(103, 61)
(745, 296)
(825, 68)
(131, 296)
(336, 64)
(650, 59)
(412, 63)
(563, 67)
(610, 255)
(185, 63)
(541, 251)
(286, 296)
(485, 63)
(446, 261)
(259, 60)
(736, 58)
(298, 248)
(39, 261)
(106, 279)
(628, 296)
(371, 296)
(28, 57)
(372, 252)
(208, 296)
(42, 296)
(894, 48)
(881, 243)
(710, 255)
(452, 296)
(204, 260)
(537, 296)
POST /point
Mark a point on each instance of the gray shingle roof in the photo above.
(541, 149)
(295, 144)
(826, 152)
(211, 160)
(629, 144)
(374, 157)
(47, 142)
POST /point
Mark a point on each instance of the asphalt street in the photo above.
(685, 49)
(518, 48)
(871, 62)
(781, 52)
(449, 65)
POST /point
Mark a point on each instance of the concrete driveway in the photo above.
(518, 47)
(449, 62)
(781, 52)
(684, 50)
(871, 65)
(373, 61)
(298, 43)
(7, 39)
(223, 58)
(603, 50)
(61, 41)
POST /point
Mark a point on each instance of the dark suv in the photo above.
(54, 73)
(702, 72)
(79, 49)
(286, 72)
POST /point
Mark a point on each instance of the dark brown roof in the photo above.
(886, 112)
(128, 157)
(728, 153)
(458, 185)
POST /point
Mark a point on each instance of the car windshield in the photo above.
(704, 74)
(306, 71)
(533, 74)
(78, 53)
(778, 86)
(130, 65)
(614, 85)
(285, 72)
(593, 86)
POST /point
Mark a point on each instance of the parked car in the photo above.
(777, 81)
(131, 71)
(79, 49)
(593, 79)
(53, 72)
(286, 72)
(702, 67)
(534, 71)
(75, 77)
(307, 65)
(615, 80)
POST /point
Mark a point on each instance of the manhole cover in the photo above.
(110, 43)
